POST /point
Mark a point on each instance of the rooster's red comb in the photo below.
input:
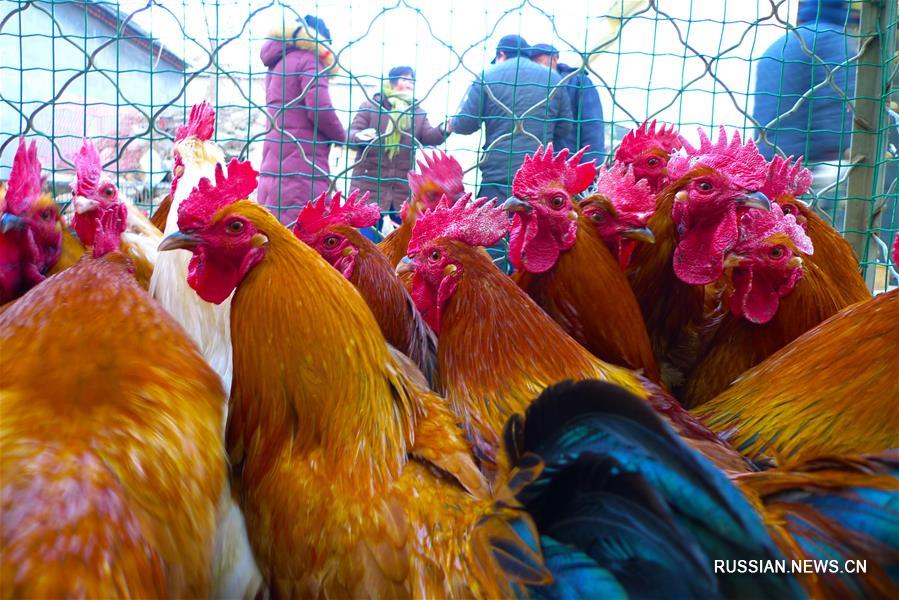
(648, 137)
(477, 222)
(88, 169)
(24, 185)
(207, 199)
(786, 177)
(742, 163)
(543, 167)
(758, 225)
(201, 123)
(440, 170)
(355, 211)
(627, 195)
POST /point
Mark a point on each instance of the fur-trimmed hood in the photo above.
(291, 37)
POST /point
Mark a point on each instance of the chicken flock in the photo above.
(686, 369)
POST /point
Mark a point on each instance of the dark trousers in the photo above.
(498, 252)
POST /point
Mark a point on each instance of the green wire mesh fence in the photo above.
(126, 74)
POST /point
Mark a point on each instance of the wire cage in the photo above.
(809, 77)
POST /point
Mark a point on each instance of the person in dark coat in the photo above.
(526, 88)
(820, 128)
(586, 109)
(386, 152)
(295, 165)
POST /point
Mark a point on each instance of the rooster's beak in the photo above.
(641, 234)
(754, 200)
(515, 205)
(179, 240)
(405, 266)
(83, 205)
(9, 222)
(732, 261)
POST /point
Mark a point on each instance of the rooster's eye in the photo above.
(776, 252)
(557, 201)
(788, 209)
(109, 191)
(435, 255)
(653, 162)
(330, 241)
(235, 226)
(599, 216)
(46, 214)
(705, 186)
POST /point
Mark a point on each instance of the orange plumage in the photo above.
(696, 216)
(565, 266)
(389, 301)
(112, 461)
(739, 343)
(161, 214)
(333, 504)
(822, 393)
(324, 423)
(72, 249)
(675, 313)
(589, 296)
(498, 350)
(329, 226)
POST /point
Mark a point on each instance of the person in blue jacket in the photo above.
(586, 109)
(527, 90)
(820, 128)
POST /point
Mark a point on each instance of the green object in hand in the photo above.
(401, 114)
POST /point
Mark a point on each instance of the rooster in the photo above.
(621, 502)
(497, 348)
(696, 215)
(564, 265)
(774, 293)
(787, 180)
(34, 242)
(439, 174)
(322, 421)
(774, 259)
(647, 150)
(619, 209)
(330, 227)
(93, 194)
(110, 446)
(812, 397)
(197, 156)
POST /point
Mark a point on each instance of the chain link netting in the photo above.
(126, 74)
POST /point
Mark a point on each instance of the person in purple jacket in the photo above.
(295, 153)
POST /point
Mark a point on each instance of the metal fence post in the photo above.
(868, 144)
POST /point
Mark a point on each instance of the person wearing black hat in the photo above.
(820, 126)
(586, 110)
(526, 88)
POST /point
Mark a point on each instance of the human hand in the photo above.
(367, 135)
